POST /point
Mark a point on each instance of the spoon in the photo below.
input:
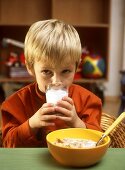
(114, 124)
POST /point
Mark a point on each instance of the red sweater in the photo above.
(19, 107)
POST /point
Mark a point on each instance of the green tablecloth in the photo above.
(40, 159)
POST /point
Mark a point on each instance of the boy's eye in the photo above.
(46, 72)
(66, 71)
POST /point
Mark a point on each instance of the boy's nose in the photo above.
(56, 78)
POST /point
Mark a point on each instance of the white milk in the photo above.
(54, 95)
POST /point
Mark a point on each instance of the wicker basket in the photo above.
(118, 134)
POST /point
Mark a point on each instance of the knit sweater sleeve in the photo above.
(88, 106)
(15, 125)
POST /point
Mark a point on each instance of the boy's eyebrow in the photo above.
(63, 66)
(46, 67)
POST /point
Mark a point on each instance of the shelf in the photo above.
(30, 79)
(79, 12)
(24, 12)
(101, 25)
(16, 80)
(90, 81)
(91, 18)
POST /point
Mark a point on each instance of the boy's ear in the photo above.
(30, 71)
(78, 63)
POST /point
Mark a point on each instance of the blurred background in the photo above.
(101, 27)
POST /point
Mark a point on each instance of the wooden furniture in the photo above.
(40, 158)
(91, 18)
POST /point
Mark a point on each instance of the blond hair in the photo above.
(53, 41)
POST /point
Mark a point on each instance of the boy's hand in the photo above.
(43, 117)
(68, 112)
(64, 110)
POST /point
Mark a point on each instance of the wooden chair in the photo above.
(117, 135)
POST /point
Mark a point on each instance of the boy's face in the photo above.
(46, 73)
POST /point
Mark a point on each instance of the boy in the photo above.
(52, 53)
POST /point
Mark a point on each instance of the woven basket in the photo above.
(118, 134)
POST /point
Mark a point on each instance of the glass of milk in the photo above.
(55, 92)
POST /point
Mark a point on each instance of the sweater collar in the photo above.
(39, 93)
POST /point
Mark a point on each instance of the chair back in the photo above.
(118, 134)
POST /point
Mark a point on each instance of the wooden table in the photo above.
(40, 159)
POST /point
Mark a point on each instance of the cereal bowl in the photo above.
(77, 157)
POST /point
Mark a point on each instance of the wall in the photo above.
(112, 86)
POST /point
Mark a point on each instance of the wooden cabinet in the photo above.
(82, 12)
(24, 12)
(91, 18)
